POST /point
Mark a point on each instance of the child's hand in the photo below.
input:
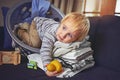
(54, 65)
(55, 73)
(54, 68)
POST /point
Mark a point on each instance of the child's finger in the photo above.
(46, 65)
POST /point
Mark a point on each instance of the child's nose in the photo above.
(64, 35)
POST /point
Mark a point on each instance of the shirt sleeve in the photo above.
(45, 25)
(46, 29)
(47, 47)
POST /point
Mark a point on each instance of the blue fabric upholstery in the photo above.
(107, 42)
(104, 35)
(1, 38)
(7, 45)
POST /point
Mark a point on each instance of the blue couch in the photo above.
(105, 38)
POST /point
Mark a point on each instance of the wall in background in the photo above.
(65, 6)
(94, 8)
(6, 3)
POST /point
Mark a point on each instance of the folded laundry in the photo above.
(75, 57)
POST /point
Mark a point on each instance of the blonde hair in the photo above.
(80, 22)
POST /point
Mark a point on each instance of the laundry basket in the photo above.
(17, 14)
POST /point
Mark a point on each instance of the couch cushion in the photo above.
(107, 42)
(94, 22)
(21, 72)
(97, 73)
(7, 44)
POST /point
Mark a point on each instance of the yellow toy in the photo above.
(54, 65)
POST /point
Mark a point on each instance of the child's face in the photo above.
(66, 33)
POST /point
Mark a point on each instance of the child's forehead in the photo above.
(68, 22)
(70, 19)
(76, 33)
(72, 25)
(73, 30)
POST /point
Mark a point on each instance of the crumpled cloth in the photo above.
(71, 50)
(39, 8)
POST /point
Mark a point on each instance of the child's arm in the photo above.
(46, 29)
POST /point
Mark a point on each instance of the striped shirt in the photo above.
(46, 29)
